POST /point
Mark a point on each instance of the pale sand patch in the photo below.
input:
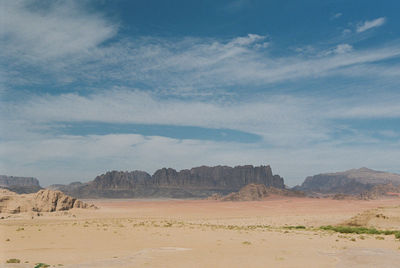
(194, 233)
(369, 258)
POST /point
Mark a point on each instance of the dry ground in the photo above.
(199, 233)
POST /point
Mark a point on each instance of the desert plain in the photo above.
(276, 232)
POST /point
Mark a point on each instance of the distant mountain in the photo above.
(361, 181)
(198, 182)
(21, 185)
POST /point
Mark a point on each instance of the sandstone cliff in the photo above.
(167, 182)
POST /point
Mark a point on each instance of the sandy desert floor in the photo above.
(198, 233)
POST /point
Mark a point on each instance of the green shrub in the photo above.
(13, 261)
(359, 230)
(41, 265)
(397, 235)
(295, 227)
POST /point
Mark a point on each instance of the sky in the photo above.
(304, 86)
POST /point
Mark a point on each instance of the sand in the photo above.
(198, 233)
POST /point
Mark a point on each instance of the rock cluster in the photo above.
(42, 201)
(251, 192)
(256, 192)
(49, 201)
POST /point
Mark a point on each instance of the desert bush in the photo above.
(13, 261)
(41, 265)
(295, 227)
(359, 230)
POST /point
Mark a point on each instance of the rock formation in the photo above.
(42, 201)
(383, 218)
(22, 185)
(167, 182)
(256, 192)
(251, 192)
(381, 190)
(362, 182)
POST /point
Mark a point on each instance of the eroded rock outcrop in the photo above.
(251, 192)
(257, 192)
(42, 201)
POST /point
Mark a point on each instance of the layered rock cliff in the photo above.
(361, 181)
(167, 182)
(22, 185)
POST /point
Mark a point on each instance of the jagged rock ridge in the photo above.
(167, 182)
(20, 184)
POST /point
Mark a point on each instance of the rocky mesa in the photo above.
(365, 183)
(198, 182)
(21, 185)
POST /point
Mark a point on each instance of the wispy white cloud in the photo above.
(386, 109)
(369, 24)
(65, 44)
(336, 16)
(282, 120)
(263, 116)
(60, 29)
(200, 66)
(236, 5)
(343, 48)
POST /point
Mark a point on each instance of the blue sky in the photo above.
(91, 86)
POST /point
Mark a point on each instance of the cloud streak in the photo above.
(60, 29)
(65, 44)
(282, 120)
(369, 24)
